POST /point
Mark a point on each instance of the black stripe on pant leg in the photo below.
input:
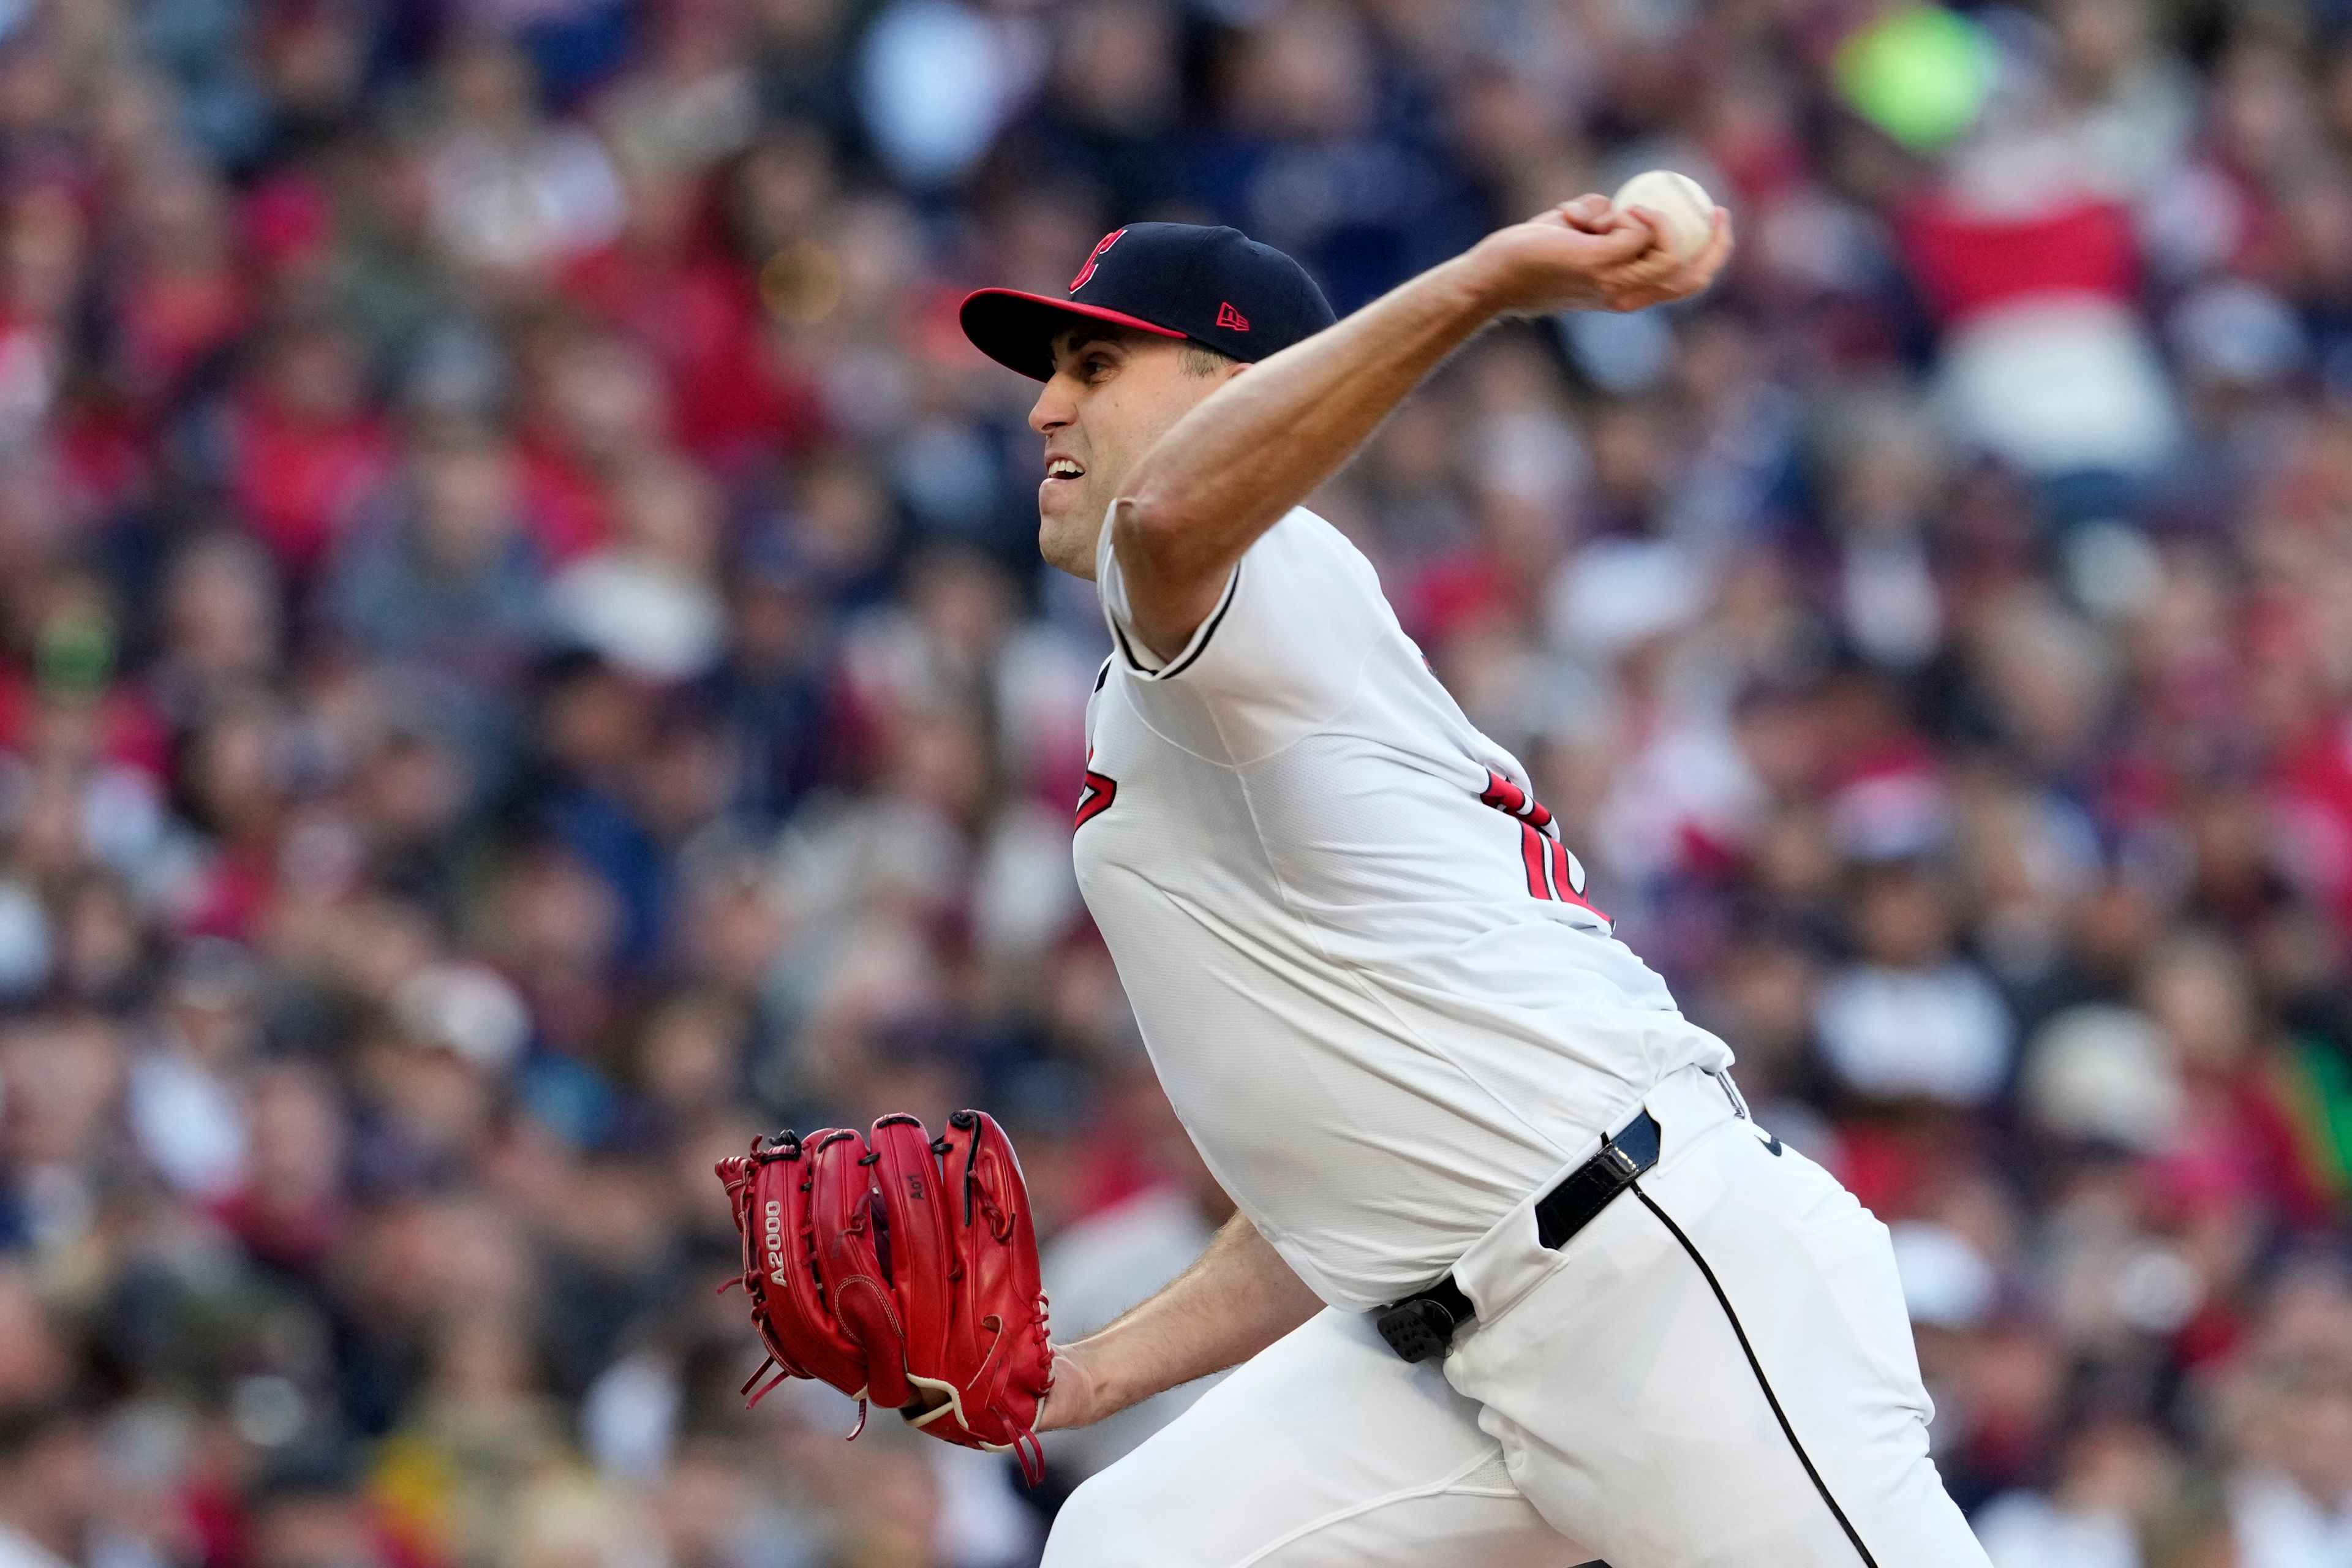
(1757, 1368)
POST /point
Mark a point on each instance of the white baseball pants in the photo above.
(1717, 1371)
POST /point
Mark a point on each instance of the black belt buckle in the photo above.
(1418, 1329)
(1421, 1325)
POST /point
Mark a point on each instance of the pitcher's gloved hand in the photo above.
(900, 1268)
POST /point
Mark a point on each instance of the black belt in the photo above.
(1421, 1325)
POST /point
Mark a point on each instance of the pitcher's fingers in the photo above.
(1655, 221)
(1589, 213)
(1686, 278)
(1719, 244)
(1621, 245)
(1656, 264)
(1708, 261)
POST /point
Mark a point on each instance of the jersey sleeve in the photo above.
(1280, 656)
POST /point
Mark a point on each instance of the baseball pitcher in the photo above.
(1515, 1277)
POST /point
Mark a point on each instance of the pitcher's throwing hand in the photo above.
(1586, 255)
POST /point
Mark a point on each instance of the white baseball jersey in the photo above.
(1360, 954)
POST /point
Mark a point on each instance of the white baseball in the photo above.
(1687, 211)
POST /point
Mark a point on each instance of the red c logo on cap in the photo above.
(1104, 243)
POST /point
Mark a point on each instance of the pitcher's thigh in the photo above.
(1324, 1451)
(1633, 1415)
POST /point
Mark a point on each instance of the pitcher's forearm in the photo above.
(1236, 1300)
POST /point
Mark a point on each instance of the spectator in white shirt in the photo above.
(1102, 1264)
(1911, 1018)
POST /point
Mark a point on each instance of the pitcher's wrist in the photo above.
(1483, 277)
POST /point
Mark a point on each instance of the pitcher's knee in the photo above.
(1111, 1522)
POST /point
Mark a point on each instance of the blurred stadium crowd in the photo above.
(526, 664)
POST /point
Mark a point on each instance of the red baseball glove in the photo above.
(901, 1270)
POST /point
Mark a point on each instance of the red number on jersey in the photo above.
(1095, 796)
(1552, 872)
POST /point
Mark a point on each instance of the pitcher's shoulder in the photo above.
(1306, 543)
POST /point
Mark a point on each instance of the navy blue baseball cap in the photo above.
(1215, 286)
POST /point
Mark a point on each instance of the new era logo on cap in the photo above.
(1213, 286)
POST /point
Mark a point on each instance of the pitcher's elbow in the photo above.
(1152, 530)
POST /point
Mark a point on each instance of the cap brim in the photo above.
(1017, 330)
